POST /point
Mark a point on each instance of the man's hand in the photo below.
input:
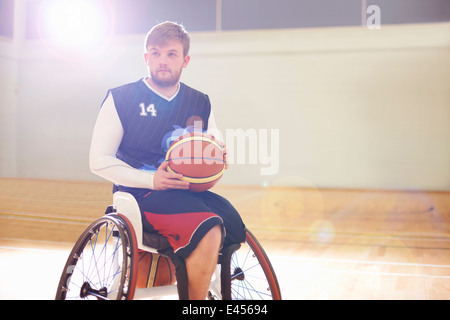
(165, 180)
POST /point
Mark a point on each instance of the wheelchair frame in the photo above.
(126, 218)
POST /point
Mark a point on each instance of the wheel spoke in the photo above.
(100, 261)
(252, 275)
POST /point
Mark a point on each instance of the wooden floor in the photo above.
(323, 244)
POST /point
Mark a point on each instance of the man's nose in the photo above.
(163, 60)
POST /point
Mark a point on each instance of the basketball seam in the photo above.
(193, 158)
(153, 271)
(189, 139)
(199, 180)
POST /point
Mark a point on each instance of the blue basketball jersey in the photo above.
(151, 123)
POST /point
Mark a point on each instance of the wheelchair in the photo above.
(103, 262)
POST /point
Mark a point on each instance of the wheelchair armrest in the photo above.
(126, 204)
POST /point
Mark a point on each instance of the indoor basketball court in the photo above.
(338, 244)
(337, 129)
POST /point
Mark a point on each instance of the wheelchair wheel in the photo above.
(102, 262)
(252, 275)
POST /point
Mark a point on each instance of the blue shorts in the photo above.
(184, 218)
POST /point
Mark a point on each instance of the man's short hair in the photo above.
(167, 31)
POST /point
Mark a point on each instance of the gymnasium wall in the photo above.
(8, 80)
(344, 107)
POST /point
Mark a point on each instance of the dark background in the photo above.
(138, 16)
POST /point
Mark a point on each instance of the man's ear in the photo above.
(146, 58)
(186, 61)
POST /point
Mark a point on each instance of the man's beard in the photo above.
(166, 82)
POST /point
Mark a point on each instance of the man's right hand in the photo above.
(165, 180)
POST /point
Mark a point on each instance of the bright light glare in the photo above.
(78, 27)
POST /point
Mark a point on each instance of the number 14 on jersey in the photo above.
(150, 110)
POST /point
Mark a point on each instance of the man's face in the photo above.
(166, 62)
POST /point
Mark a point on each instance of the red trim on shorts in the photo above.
(179, 228)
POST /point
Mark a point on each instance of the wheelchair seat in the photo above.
(126, 205)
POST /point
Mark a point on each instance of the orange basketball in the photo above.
(154, 270)
(198, 158)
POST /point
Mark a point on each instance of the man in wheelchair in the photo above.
(135, 124)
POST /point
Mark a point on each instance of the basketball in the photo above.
(198, 158)
(154, 270)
